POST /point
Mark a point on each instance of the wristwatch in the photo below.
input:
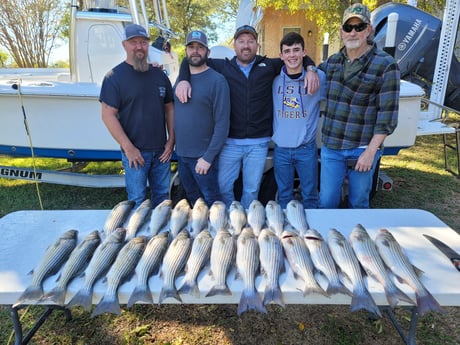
(312, 69)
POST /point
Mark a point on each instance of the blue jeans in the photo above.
(252, 157)
(154, 172)
(333, 172)
(196, 185)
(304, 159)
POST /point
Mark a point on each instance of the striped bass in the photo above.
(256, 216)
(199, 217)
(275, 217)
(198, 258)
(149, 264)
(296, 252)
(345, 258)
(160, 216)
(102, 259)
(272, 264)
(117, 216)
(173, 263)
(179, 217)
(247, 262)
(324, 262)
(75, 265)
(295, 214)
(53, 259)
(222, 256)
(218, 217)
(237, 217)
(370, 260)
(121, 270)
(138, 218)
(394, 257)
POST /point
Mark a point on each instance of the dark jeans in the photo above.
(195, 185)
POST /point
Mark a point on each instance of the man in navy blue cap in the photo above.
(138, 110)
(201, 125)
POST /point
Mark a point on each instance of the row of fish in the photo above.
(181, 238)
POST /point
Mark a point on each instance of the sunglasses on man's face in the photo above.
(358, 27)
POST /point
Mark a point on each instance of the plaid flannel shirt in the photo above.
(365, 104)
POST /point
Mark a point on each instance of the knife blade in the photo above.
(453, 256)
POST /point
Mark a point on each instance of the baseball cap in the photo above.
(197, 36)
(245, 29)
(135, 30)
(357, 11)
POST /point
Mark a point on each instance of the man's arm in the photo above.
(169, 146)
(109, 117)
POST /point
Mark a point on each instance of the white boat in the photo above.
(61, 106)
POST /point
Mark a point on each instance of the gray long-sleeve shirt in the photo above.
(201, 125)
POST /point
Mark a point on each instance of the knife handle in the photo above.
(456, 263)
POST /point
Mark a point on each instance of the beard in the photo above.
(197, 63)
(140, 64)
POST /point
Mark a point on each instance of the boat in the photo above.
(55, 113)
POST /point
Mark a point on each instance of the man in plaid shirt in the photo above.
(361, 111)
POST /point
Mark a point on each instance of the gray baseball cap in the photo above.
(135, 30)
(197, 36)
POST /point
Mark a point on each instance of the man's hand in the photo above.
(183, 91)
(134, 157)
(312, 82)
(365, 161)
(167, 153)
(202, 167)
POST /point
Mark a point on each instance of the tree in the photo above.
(29, 28)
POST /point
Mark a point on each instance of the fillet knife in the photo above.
(453, 256)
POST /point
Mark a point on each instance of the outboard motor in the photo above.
(417, 41)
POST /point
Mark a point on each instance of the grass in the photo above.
(420, 182)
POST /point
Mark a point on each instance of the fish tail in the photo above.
(140, 294)
(363, 300)
(108, 304)
(273, 295)
(427, 303)
(250, 300)
(338, 288)
(222, 290)
(395, 295)
(57, 296)
(315, 289)
(191, 288)
(83, 297)
(171, 292)
(32, 293)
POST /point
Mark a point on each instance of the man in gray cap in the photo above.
(138, 110)
(201, 125)
(362, 105)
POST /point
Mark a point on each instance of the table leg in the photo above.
(409, 338)
(20, 338)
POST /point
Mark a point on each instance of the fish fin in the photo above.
(140, 293)
(395, 295)
(418, 271)
(364, 300)
(108, 304)
(165, 293)
(273, 295)
(315, 289)
(221, 290)
(250, 300)
(84, 298)
(427, 303)
(32, 293)
(57, 296)
(338, 288)
(190, 288)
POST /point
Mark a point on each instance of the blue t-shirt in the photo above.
(140, 98)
